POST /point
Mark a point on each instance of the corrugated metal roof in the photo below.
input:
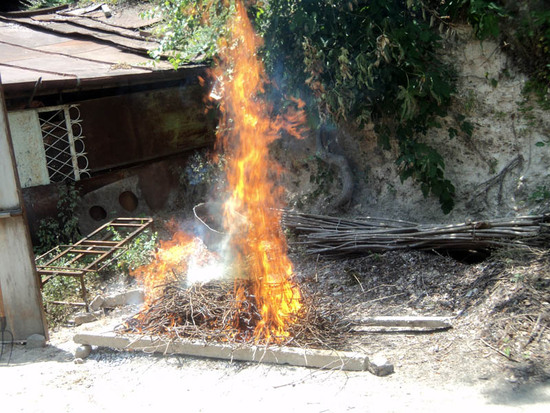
(59, 51)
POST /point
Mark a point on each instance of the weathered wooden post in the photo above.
(19, 284)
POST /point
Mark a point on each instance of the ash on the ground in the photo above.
(500, 306)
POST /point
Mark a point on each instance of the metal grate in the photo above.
(63, 142)
(91, 254)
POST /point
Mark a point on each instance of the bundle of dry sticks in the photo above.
(209, 312)
(340, 236)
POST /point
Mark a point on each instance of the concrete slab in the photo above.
(321, 359)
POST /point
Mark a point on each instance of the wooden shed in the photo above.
(83, 102)
(86, 104)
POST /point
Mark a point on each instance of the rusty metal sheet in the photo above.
(77, 47)
(126, 129)
(158, 184)
(129, 19)
(17, 34)
(90, 24)
(35, 12)
(138, 46)
(40, 203)
(63, 66)
(27, 54)
(12, 53)
(56, 66)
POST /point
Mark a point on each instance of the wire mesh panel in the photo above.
(61, 128)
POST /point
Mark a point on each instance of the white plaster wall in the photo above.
(496, 172)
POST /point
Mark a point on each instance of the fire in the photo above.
(185, 257)
(257, 252)
(258, 244)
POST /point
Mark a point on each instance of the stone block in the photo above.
(115, 300)
(82, 351)
(36, 341)
(97, 303)
(134, 297)
(126, 298)
(380, 366)
(82, 318)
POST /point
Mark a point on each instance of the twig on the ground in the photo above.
(502, 353)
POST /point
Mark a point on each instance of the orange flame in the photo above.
(246, 130)
(261, 267)
(172, 260)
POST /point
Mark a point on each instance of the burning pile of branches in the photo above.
(210, 312)
(340, 237)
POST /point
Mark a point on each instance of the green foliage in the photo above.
(531, 48)
(137, 253)
(201, 169)
(201, 174)
(192, 29)
(540, 194)
(366, 62)
(64, 228)
(525, 28)
(483, 15)
(423, 163)
(322, 179)
(370, 62)
(65, 289)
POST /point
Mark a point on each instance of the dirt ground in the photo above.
(495, 358)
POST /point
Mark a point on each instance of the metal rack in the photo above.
(74, 260)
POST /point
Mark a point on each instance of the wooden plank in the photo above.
(407, 321)
(63, 272)
(143, 220)
(395, 324)
(67, 303)
(2, 314)
(18, 277)
(82, 10)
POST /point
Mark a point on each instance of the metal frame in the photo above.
(98, 244)
(69, 140)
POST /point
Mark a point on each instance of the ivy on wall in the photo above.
(370, 62)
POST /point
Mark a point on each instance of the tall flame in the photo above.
(257, 246)
(251, 214)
